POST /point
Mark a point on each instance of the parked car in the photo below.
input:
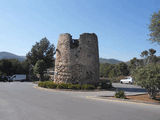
(128, 80)
(18, 77)
(4, 78)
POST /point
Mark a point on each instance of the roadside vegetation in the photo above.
(114, 72)
(148, 75)
(52, 85)
(145, 71)
(40, 58)
(120, 94)
(9, 67)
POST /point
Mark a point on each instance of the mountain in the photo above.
(110, 61)
(7, 55)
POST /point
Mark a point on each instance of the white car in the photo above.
(128, 80)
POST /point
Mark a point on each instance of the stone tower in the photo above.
(77, 60)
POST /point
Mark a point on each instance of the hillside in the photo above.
(7, 55)
(110, 61)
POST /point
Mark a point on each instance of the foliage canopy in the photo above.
(148, 77)
(154, 27)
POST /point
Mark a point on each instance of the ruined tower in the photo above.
(77, 60)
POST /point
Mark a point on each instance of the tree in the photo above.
(16, 66)
(39, 68)
(154, 27)
(42, 50)
(9, 67)
(104, 69)
(113, 73)
(152, 52)
(134, 64)
(144, 53)
(152, 58)
(148, 77)
(114, 70)
(149, 56)
(123, 69)
(25, 67)
(6, 67)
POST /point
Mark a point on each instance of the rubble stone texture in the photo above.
(77, 60)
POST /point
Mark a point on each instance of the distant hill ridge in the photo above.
(110, 61)
(8, 55)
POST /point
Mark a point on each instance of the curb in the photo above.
(69, 90)
(101, 98)
(122, 100)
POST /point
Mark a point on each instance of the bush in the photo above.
(47, 84)
(120, 94)
(52, 85)
(148, 77)
(87, 87)
(104, 84)
(41, 84)
(74, 86)
(62, 86)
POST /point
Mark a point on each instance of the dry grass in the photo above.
(144, 98)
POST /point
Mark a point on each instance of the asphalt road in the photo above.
(21, 101)
(129, 88)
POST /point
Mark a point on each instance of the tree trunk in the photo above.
(41, 77)
(152, 94)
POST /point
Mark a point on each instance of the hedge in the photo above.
(52, 85)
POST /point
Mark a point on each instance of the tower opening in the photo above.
(74, 43)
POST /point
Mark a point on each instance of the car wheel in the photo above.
(121, 82)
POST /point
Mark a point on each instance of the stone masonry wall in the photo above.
(77, 60)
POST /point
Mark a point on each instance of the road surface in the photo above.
(21, 101)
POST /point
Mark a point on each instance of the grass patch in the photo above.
(144, 98)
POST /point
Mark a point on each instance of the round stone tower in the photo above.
(77, 60)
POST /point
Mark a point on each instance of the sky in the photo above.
(121, 25)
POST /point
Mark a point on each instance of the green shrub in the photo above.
(104, 85)
(74, 86)
(47, 84)
(148, 77)
(40, 84)
(77, 87)
(52, 85)
(87, 87)
(62, 86)
(120, 94)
